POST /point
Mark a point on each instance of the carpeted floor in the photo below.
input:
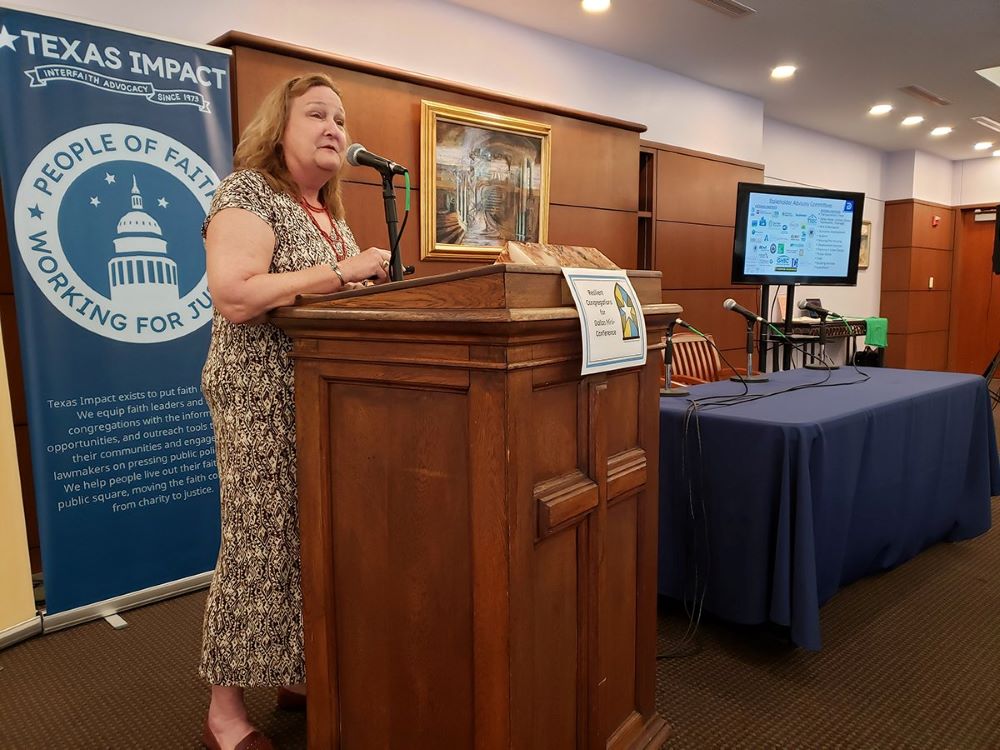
(92, 687)
(911, 659)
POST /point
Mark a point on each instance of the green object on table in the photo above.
(878, 330)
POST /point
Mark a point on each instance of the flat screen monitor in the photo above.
(792, 235)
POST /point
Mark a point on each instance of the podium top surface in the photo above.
(501, 292)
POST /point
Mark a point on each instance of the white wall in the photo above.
(977, 181)
(897, 175)
(932, 178)
(796, 156)
(916, 174)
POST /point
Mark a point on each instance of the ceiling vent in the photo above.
(729, 8)
(987, 122)
(928, 96)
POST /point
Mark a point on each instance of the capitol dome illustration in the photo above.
(141, 274)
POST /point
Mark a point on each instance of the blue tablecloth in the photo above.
(800, 493)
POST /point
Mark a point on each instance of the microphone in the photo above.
(821, 363)
(752, 317)
(678, 322)
(809, 305)
(359, 156)
(731, 304)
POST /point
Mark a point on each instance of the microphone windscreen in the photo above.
(729, 304)
(352, 153)
(803, 304)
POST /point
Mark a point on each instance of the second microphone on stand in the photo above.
(752, 318)
(822, 363)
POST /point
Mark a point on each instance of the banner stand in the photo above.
(20, 632)
(119, 604)
(109, 158)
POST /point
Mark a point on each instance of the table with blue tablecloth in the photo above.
(769, 506)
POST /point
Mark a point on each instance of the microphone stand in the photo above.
(750, 378)
(823, 363)
(786, 344)
(668, 357)
(764, 338)
(391, 222)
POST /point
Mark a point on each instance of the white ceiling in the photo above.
(851, 54)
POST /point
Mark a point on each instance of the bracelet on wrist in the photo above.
(340, 274)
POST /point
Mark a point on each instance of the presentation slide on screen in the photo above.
(798, 235)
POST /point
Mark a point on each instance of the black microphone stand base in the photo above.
(820, 366)
(758, 378)
(675, 391)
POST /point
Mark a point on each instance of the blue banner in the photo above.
(112, 146)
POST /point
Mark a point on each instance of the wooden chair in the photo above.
(696, 361)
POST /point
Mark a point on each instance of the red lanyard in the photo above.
(339, 249)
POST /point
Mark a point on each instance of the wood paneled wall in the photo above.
(974, 330)
(693, 213)
(917, 243)
(594, 170)
(15, 375)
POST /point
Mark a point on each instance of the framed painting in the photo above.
(864, 253)
(484, 181)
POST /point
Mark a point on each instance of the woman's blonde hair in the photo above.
(260, 147)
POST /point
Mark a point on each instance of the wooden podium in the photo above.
(479, 523)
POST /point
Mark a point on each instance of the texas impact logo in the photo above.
(108, 223)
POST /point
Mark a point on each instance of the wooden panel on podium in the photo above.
(478, 520)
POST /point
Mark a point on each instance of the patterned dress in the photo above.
(253, 617)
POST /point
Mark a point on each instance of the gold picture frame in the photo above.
(484, 180)
(864, 252)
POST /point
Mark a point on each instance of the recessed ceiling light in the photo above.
(595, 6)
(997, 152)
(880, 109)
(783, 71)
(983, 145)
(943, 130)
(913, 120)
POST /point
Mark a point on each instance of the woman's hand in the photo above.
(373, 263)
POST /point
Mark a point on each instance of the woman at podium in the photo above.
(276, 229)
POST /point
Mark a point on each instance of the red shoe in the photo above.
(289, 700)
(253, 741)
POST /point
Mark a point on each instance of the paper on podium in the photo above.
(562, 256)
